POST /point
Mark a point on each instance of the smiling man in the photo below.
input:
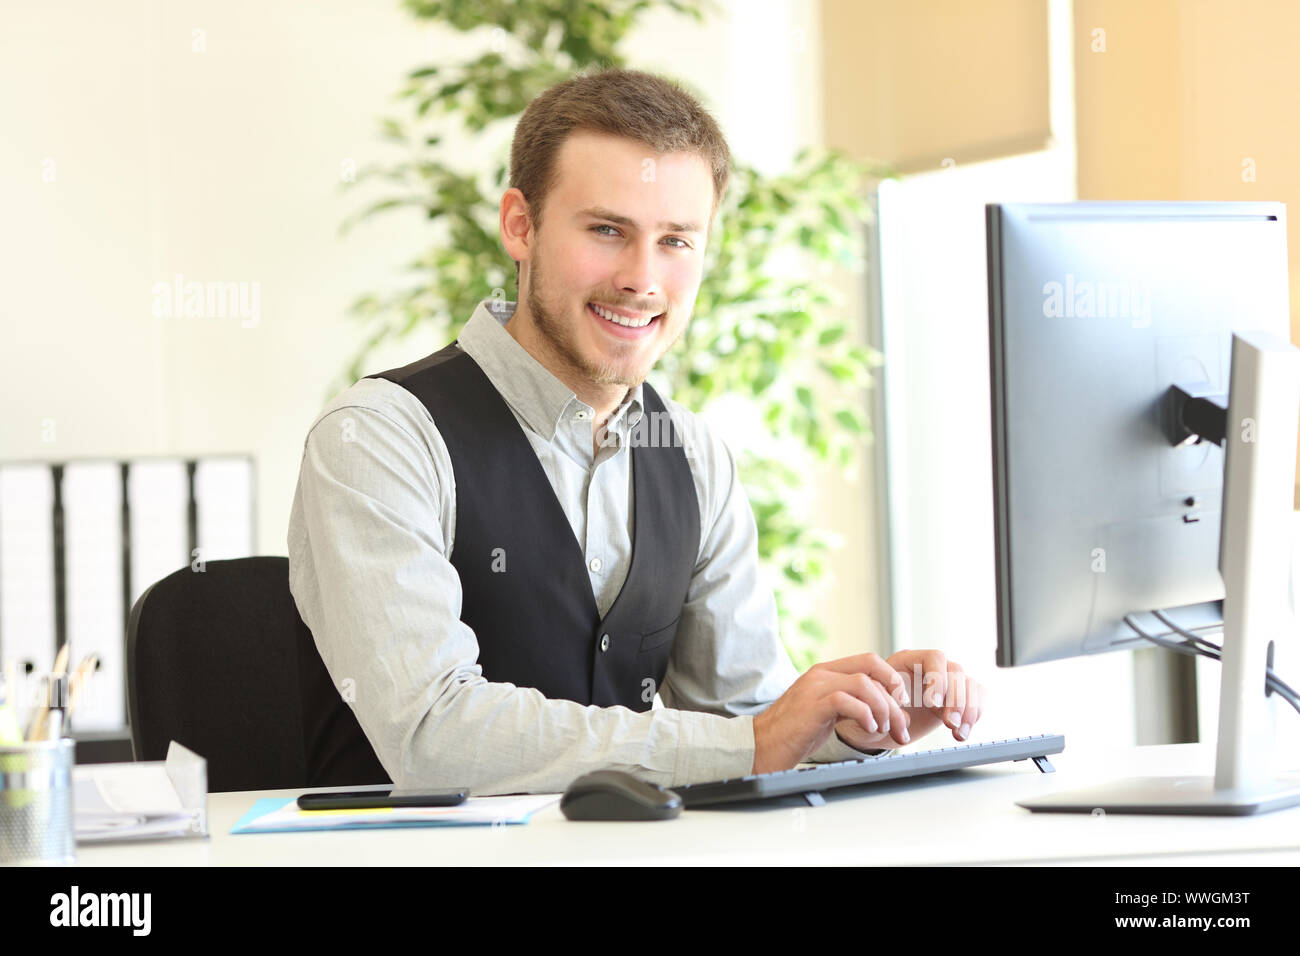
(506, 549)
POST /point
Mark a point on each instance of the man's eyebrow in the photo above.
(599, 212)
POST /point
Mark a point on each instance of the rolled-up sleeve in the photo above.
(370, 574)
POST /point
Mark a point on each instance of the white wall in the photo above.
(222, 166)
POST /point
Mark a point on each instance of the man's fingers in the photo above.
(954, 701)
(963, 721)
(842, 704)
(936, 678)
(885, 710)
(895, 720)
(848, 665)
(895, 686)
(873, 695)
(974, 706)
(882, 692)
(875, 667)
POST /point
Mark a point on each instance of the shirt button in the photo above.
(604, 642)
(595, 564)
(582, 415)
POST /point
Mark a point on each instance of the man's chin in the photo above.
(618, 373)
(618, 378)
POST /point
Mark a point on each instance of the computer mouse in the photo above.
(615, 795)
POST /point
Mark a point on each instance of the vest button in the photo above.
(604, 642)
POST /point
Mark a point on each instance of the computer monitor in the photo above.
(1113, 325)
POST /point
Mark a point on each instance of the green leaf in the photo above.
(831, 335)
(841, 370)
(851, 420)
(813, 628)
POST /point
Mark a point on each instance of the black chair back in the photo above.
(212, 662)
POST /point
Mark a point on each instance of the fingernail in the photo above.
(907, 738)
(954, 717)
(965, 731)
(884, 729)
(936, 699)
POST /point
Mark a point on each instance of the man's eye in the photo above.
(680, 243)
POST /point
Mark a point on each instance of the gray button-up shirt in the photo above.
(370, 537)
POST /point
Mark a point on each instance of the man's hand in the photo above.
(947, 695)
(863, 691)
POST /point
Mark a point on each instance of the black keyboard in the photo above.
(809, 779)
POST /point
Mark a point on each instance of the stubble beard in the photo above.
(560, 339)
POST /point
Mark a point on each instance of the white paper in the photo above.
(143, 789)
(129, 801)
(492, 810)
(180, 825)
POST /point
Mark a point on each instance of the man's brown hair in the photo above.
(650, 109)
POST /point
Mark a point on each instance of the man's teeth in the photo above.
(619, 320)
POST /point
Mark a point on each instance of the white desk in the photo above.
(970, 818)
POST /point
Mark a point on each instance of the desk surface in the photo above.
(965, 817)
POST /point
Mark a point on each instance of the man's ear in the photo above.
(516, 225)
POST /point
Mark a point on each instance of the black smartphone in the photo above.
(378, 799)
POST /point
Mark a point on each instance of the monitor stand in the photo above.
(1263, 418)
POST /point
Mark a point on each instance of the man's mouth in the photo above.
(620, 323)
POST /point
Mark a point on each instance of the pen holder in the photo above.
(36, 813)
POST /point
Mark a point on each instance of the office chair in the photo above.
(212, 662)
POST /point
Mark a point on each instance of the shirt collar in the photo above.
(528, 387)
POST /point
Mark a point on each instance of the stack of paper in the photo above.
(281, 814)
(146, 800)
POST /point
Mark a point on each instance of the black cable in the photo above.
(1212, 651)
(1182, 647)
(1194, 638)
(1275, 682)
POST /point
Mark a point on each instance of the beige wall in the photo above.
(918, 83)
(1182, 96)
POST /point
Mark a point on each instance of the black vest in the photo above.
(523, 576)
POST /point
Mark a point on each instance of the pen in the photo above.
(56, 720)
(61, 660)
(37, 726)
(36, 720)
(79, 677)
